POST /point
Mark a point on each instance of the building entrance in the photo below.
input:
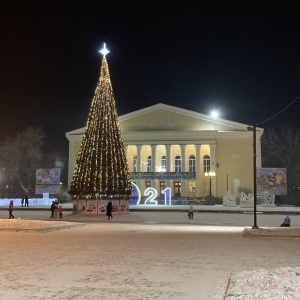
(162, 185)
(177, 189)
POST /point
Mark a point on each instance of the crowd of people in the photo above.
(56, 209)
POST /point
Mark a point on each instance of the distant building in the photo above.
(173, 147)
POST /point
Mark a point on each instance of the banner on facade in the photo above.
(93, 206)
(162, 175)
(272, 180)
(47, 181)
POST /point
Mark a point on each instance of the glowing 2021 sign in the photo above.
(152, 194)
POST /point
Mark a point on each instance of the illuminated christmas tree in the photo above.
(102, 170)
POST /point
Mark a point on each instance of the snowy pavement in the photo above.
(281, 283)
(122, 260)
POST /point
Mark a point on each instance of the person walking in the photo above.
(60, 211)
(22, 201)
(109, 210)
(26, 200)
(10, 209)
(55, 208)
(52, 209)
(191, 211)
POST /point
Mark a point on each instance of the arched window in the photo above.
(134, 161)
(149, 164)
(192, 164)
(163, 164)
(206, 163)
(177, 163)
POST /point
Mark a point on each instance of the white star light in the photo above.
(104, 51)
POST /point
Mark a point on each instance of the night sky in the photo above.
(240, 57)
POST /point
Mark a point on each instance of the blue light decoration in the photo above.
(152, 195)
(168, 198)
(136, 194)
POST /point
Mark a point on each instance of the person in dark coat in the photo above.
(286, 222)
(109, 210)
(10, 209)
(26, 200)
(52, 209)
(55, 208)
(22, 201)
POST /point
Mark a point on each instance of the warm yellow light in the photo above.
(210, 174)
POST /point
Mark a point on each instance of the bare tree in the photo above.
(282, 149)
(21, 154)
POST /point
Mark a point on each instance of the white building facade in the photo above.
(170, 147)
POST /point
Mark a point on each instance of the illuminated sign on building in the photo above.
(152, 195)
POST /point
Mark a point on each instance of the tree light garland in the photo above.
(101, 168)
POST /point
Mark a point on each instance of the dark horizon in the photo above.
(240, 59)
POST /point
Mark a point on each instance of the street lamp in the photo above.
(253, 128)
(210, 176)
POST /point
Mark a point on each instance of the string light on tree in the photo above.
(101, 167)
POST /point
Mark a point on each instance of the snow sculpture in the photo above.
(229, 199)
(246, 201)
(267, 199)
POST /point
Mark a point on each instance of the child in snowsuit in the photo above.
(286, 222)
(191, 212)
(60, 211)
(10, 209)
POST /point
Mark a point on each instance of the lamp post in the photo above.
(253, 128)
(210, 176)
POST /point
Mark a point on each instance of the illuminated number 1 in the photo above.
(168, 198)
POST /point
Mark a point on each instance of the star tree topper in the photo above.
(104, 50)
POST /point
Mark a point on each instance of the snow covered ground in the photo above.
(110, 260)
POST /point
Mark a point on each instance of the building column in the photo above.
(138, 158)
(153, 163)
(138, 163)
(72, 162)
(168, 157)
(183, 158)
(213, 168)
(198, 171)
(183, 169)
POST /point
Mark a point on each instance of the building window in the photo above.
(148, 184)
(192, 187)
(134, 160)
(162, 185)
(149, 164)
(206, 163)
(177, 188)
(177, 163)
(192, 164)
(163, 164)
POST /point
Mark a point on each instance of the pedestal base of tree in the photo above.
(99, 206)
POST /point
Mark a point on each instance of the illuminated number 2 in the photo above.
(152, 195)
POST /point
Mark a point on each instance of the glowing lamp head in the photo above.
(214, 114)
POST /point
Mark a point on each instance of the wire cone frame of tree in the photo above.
(101, 169)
